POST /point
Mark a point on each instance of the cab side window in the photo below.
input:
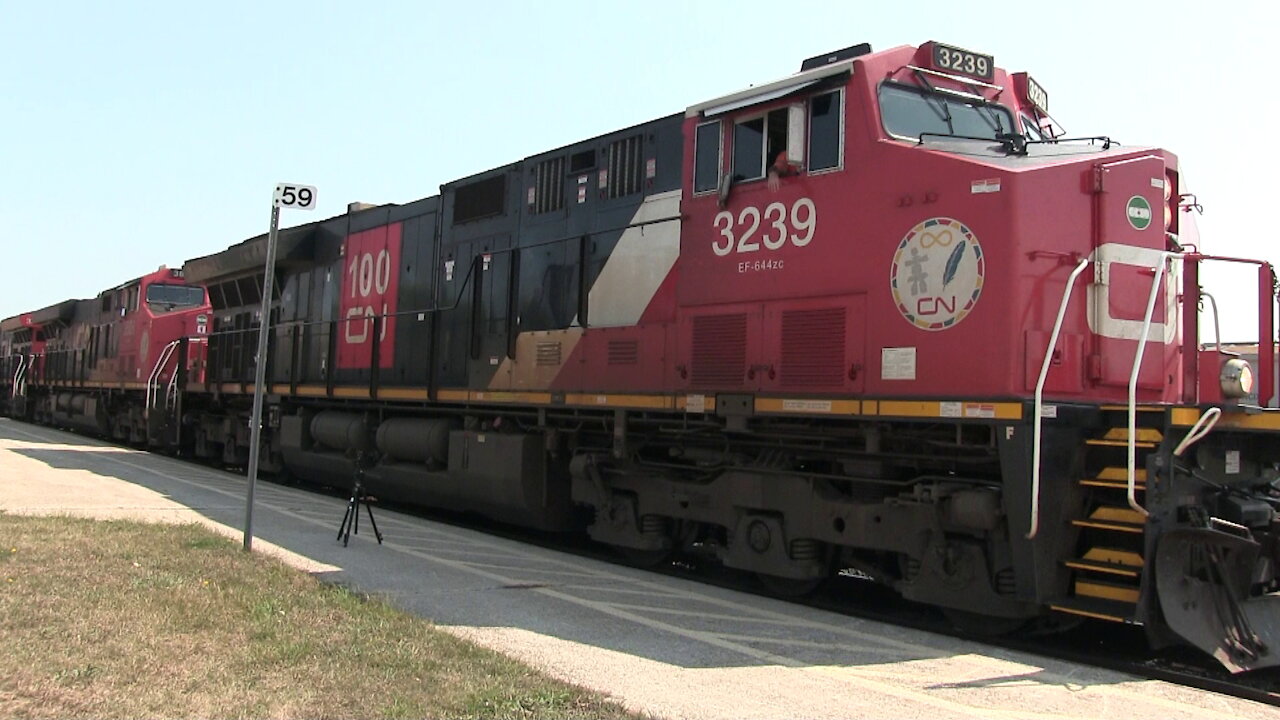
(826, 131)
(708, 148)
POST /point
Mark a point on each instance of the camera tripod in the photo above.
(351, 520)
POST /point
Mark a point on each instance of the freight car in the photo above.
(877, 316)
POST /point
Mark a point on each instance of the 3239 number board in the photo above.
(963, 61)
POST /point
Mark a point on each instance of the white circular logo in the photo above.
(937, 273)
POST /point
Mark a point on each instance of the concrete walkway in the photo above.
(660, 645)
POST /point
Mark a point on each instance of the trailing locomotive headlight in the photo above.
(1170, 202)
(1236, 379)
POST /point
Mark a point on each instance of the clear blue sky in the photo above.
(139, 134)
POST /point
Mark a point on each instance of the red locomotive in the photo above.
(875, 316)
(110, 365)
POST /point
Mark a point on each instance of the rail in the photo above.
(1132, 443)
(1039, 402)
(19, 378)
(153, 380)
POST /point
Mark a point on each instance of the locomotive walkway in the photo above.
(661, 645)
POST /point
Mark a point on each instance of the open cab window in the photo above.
(807, 135)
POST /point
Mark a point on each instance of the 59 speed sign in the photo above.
(298, 197)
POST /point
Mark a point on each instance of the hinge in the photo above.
(1098, 173)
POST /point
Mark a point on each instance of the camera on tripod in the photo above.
(351, 519)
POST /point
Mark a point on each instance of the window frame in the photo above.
(1029, 122)
(762, 115)
(923, 93)
(840, 140)
(719, 123)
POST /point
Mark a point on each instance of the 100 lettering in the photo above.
(780, 226)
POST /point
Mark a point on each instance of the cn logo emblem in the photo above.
(1139, 212)
(937, 274)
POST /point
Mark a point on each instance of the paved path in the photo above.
(660, 645)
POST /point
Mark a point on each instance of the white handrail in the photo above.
(20, 380)
(17, 375)
(1133, 383)
(1044, 374)
(154, 377)
(1199, 430)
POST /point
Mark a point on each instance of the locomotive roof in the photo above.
(60, 312)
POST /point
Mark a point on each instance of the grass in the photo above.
(126, 620)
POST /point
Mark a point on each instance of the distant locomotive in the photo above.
(872, 316)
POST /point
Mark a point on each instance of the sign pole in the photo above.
(302, 197)
(260, 374)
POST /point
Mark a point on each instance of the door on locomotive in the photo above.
(1130, 252)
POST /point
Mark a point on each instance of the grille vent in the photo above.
(624, 352)
(719, 350)
(813, 348)
(624, 167)
(548, 186)
(547, 354)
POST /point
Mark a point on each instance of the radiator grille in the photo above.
(719, 350)
(813, 348)
(547, 353)
(624, 352)
(548, 186)
(624, 167)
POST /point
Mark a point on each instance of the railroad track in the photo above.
(1101, 645)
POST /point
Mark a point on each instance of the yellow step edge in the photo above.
(1118, 443)
(1104, 591)
(1116, 514)
(1118, 485)
(1150, 435)
(1101, 568)
(1107, 526)
(1088, 614)
(1115, 556)
(1122, 474)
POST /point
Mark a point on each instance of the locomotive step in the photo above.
(1145, 435)
(1109, 610)
(1111, 561)
(1117, 477)
(1119, 443)
(1101, 590)
(1110, 517)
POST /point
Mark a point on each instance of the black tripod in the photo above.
(351, 520)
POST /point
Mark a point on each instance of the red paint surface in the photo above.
(370, 279)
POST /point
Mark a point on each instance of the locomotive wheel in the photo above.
(789, 587)
(978, 625)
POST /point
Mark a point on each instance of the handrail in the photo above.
(17, 374)
(1044, 374)
(1199, 430)
(1132, 489)
(20, 379)
(154, 377)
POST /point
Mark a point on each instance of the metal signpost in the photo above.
(301, 197)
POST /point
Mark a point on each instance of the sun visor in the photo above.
(756, 99)
(770, 91)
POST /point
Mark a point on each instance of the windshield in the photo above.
(173, 297)
(909, 111)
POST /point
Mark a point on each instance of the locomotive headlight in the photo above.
(1236, 379)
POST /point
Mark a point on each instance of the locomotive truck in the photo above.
(879, 317)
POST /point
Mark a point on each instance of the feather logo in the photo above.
(953, 263)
